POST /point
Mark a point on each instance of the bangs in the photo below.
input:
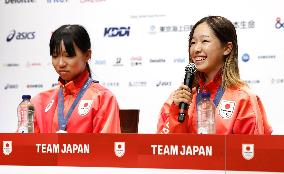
(55, 44)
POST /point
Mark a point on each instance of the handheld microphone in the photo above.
(190, 70)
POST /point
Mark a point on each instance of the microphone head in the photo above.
(190, 68)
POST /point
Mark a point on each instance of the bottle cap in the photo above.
(26, 97)
(205, 94)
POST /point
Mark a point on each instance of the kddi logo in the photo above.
(18, 1)
(20, 35)
(117, 31)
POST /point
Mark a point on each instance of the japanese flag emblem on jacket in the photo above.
(84, 107)
(226, 109)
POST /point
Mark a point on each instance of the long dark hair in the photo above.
(69, 34)
(225, 31)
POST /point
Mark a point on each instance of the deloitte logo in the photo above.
(18, 1)
(245, 57)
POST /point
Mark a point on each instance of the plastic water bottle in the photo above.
(206, 115)
(26, 115)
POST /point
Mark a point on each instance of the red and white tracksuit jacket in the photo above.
(96, 112)
(238, 112)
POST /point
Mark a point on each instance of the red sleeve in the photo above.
(251, 118)
(168, 122)
(262, 124)
(107, 117)
(36, 127)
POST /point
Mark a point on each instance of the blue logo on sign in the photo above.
(100, 62)
(245, 57)
(117, 31)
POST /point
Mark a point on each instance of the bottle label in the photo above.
(25, 117)
(22, 114)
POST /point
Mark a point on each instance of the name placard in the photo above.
(172, 151)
